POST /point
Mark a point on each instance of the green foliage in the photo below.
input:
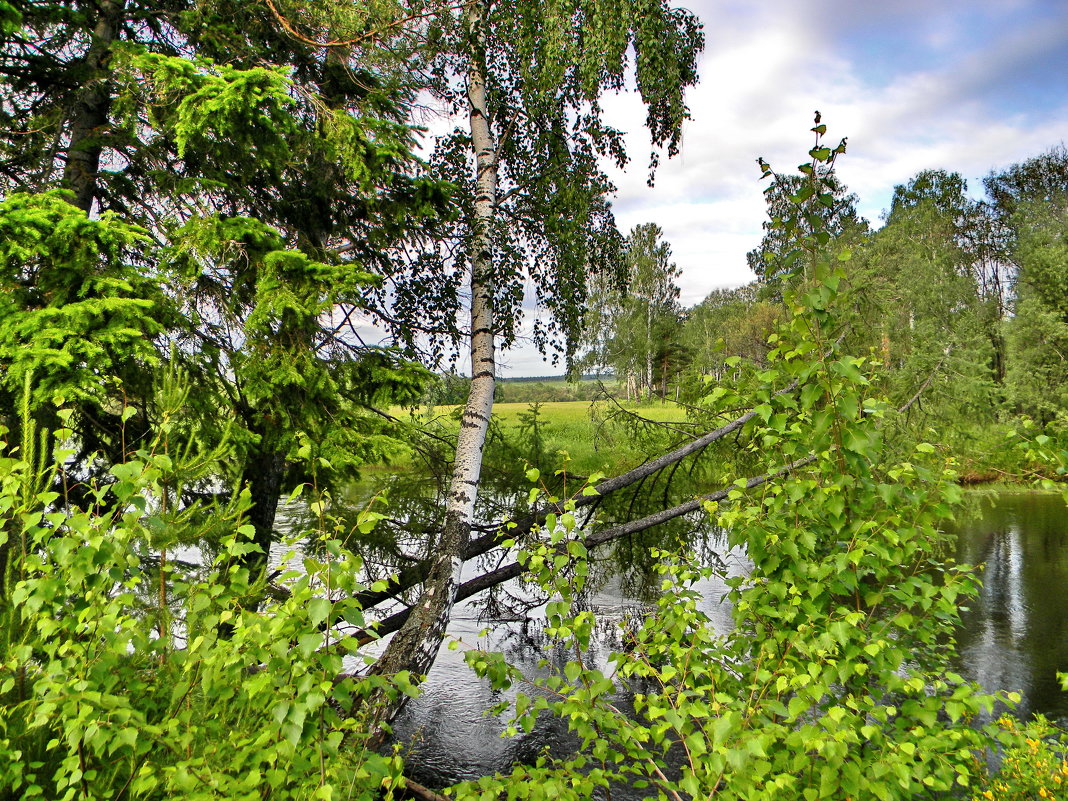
(1042, 179)
(10, 18)
(293, 391)
(796, 203)
(1037, 378)
(238, 164)
(129, 676)
(727, 323)
(943, 190)
(550, 390)
(1038, 332)
(241, 116)
(75, 310)
(1034, 764)
(836, 680)
(1042, 253)
(924, 314)
(596, 436)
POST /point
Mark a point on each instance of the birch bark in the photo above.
(416, 644)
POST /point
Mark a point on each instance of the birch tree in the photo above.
(634, 320)
(654, 299)
(528, 78)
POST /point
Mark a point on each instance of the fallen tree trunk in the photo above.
(412, 576)
(507, 572)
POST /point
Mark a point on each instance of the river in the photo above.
(1013, 637)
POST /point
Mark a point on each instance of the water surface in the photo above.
(1013, 638)
(1015, 634)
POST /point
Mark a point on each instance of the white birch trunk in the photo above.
(648, 350)
(416, 644)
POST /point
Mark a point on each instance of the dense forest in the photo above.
(957, 299)
(202, 204)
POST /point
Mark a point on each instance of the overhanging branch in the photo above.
(513, 570)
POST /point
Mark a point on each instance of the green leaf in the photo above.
(318, 610)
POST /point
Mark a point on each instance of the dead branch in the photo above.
(925, 384)
(416, 790)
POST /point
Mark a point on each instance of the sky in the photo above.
(961, 85)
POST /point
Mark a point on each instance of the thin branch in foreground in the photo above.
(418, 791)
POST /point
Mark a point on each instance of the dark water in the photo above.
(1014, 637)
(1015, 634)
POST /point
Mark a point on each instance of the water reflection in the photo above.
(1013, 638)
(1013, 634)
(446, 733)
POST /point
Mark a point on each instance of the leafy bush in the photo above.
(128, 675)
(1033, 766)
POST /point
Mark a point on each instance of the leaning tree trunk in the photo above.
(415, 646)
(92, 104)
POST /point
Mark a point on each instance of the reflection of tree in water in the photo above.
(446, 735)
(1014, 635)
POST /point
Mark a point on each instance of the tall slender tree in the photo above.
(634, 324)
(1030, 201)
(924, 312)
(528, 77)
(963, 228)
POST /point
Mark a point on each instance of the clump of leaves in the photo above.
(130, 675)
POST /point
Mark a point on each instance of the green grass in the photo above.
(555, 390)
(569, 427)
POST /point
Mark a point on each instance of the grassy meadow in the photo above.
(591, 437)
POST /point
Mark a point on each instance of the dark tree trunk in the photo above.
(998, 342)
(263, 476)
(90, 109)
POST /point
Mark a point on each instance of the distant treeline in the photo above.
(449, 389)
(555, 378)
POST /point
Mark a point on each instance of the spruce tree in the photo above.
(189, 187)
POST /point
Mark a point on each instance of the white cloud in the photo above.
(768, 66)
(763, 74)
